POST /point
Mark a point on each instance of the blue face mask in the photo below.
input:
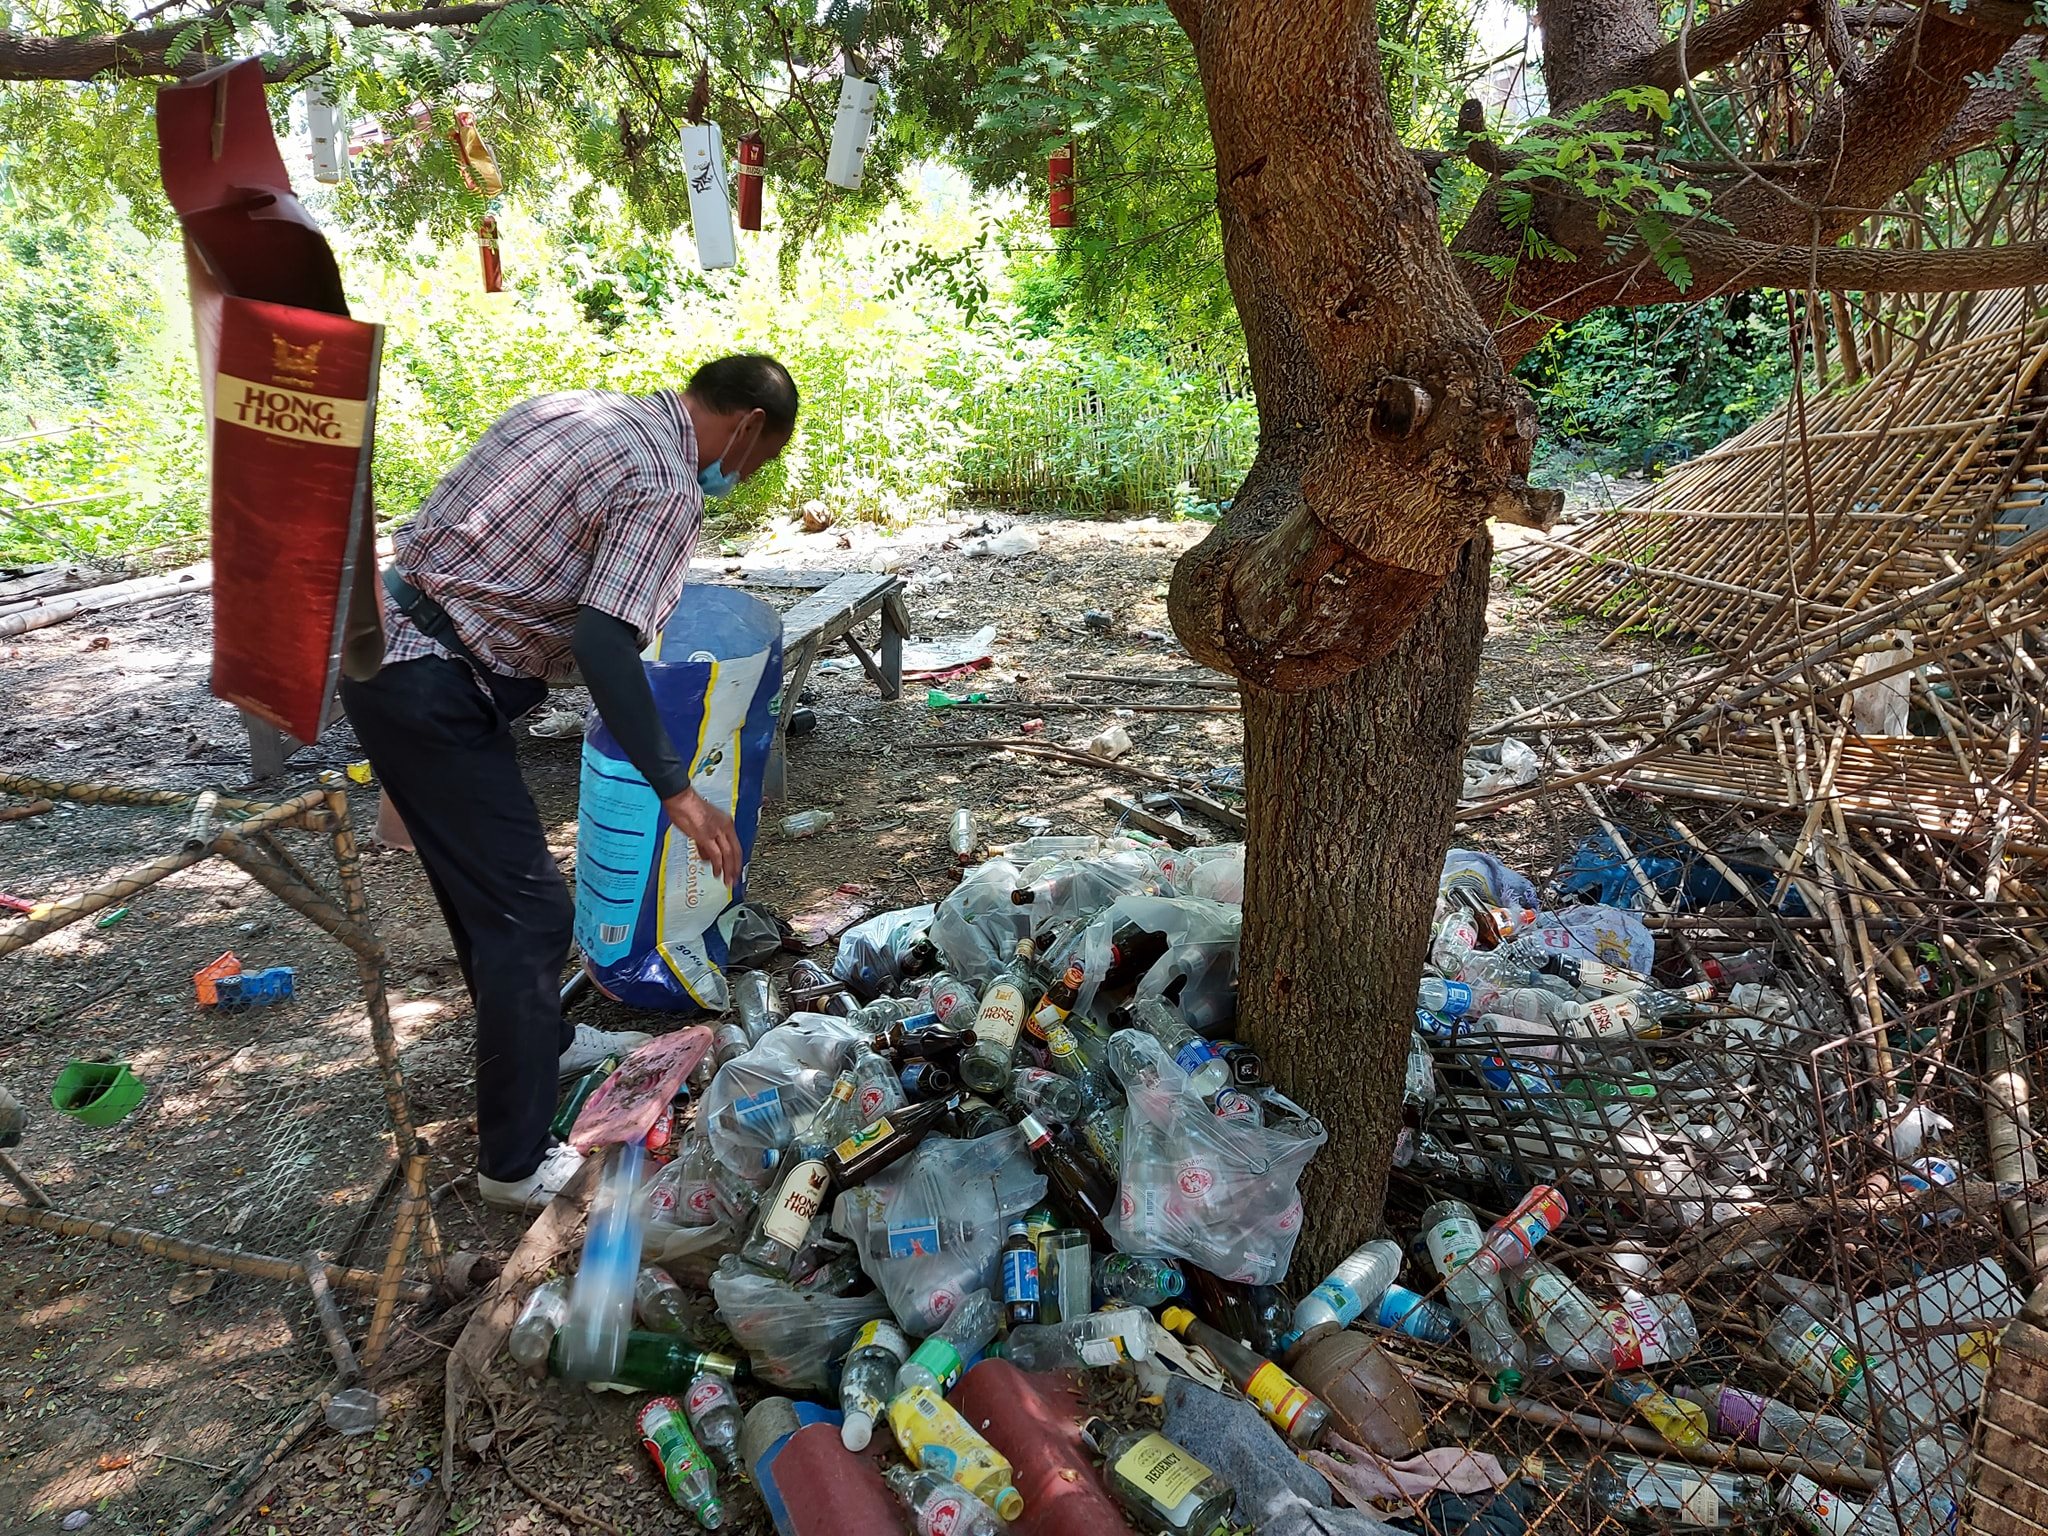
(715, 480)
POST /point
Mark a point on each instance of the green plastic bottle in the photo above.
(684, 1467)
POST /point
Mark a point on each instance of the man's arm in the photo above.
(608, 654)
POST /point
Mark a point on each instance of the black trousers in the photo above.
(442, 749)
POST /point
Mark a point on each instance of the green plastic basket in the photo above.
(96, 1092)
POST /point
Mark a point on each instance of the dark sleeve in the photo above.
(608, 655)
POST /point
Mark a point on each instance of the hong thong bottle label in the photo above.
(1000, 1017)
(797, 1204)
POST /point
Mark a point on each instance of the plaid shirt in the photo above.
(570, 500)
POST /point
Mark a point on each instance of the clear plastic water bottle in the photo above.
(1453, 1237)
(938, 1361)
(1819, 1352)
(939, 1506)
(659, 1302)
(1137, 1280)
(868, 1379)
(757, 1003)
(1453, 999)
(534, 1332)
(1771, 1425)
(593, 1338)
(1565, 1318)
(1349, 1289)
(1404, 1311)
(714, 1414)
(1652, 1326)
(1208, 1073)
(1092, 1339)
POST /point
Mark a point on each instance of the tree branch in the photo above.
(1989, 108)
(146, 51)
(1714, 42)
(1729, 260)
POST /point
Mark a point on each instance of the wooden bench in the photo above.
(836, 603)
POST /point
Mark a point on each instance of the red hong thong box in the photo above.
(294, 395)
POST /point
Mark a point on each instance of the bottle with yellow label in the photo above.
(1164, 1488)
(934, 1438)
(1289, 1406)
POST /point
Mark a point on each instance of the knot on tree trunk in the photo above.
(1348, 524)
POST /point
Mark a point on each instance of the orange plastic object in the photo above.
(204, 978)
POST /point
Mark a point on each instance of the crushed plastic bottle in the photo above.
(714, 1414)
(659, 1303)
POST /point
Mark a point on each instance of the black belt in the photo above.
(514, 695)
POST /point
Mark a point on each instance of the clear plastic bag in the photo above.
(977, 926)
(929, 1231)
(790, 1336)
(756, 1099)
(1221, 1193)
(1198, 971)
(872, 953)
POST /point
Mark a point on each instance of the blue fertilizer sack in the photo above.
(651, 917)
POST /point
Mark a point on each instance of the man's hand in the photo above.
(716, 838)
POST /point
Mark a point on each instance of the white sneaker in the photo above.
(592, 1046)
(538, 1187)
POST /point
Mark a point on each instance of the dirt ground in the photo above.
(126, 1394)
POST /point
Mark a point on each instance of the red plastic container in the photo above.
(1035, 1421)
(826, 1490)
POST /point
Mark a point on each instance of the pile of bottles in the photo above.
(959, 1101)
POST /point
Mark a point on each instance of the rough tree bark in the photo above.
(1347, 586)
(1346, 589)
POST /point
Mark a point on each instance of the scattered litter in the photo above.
(1110, 743)
(949, 655)
(816, 517)
(805, 823)
(1002, 546)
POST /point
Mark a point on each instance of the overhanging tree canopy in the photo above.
(1688, 151)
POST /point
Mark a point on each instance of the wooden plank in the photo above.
(842, 603)
(895, 630)
(1175, 835)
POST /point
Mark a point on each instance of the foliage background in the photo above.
(949, 349)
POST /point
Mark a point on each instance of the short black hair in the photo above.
(748, 381)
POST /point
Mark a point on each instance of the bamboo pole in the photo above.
(196, 1254)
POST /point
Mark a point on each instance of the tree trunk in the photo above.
(1351, 792)
(1346, 587)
